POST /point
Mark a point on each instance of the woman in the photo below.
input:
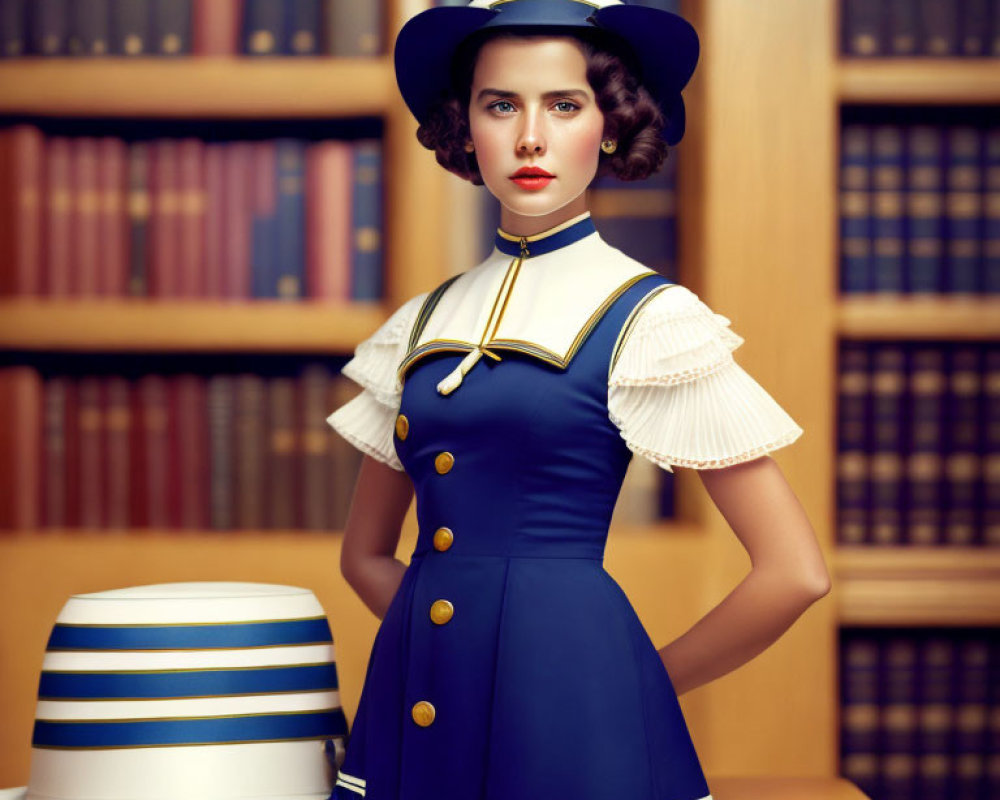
(509, 664)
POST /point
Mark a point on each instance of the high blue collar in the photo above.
(545, 242)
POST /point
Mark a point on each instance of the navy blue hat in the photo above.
(665, 45)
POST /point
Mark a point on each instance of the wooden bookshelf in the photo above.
(39, 569)
(130, 326)
(902, 317)
(918, 586)
(216, 87)
(925, 81)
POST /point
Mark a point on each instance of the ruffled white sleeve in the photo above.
(368, 421)
(678, 396)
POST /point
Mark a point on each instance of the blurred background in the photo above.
(206, 204)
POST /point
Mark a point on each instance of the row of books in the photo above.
(95, 216)
(920, 712)
(918, 452)
(128, 28)
(920, 209)
(920, 28)
(174, 451)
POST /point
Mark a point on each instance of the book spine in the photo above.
(888, 403)
(282, 449)
(289, 277)
(853, 452)
(57, 245)
(191, 212)
(925, 211)
(139, 209)
(855, 209)
(171, 27)
(216, 27)
(304, 25)
(354, 30)
(250, 452)
(962, 457)
(263, 27)
(264, 252)
(13, 27)
(131, 27)
(48, 27)
(924, 462)
(112, 218)
(85, 228)
(117, 425)
(328, 220)
(963, 209)
(221, 411)
(314, 488)
(860, 665)
(887, 210)
(367, 215)
(89, 28)
(899, 704)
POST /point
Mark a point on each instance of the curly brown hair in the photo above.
(631, 115)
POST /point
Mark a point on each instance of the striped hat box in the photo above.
(188, 690)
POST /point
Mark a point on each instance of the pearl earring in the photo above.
(469, 147)
(609, 146)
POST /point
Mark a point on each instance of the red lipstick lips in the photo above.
(532, 178)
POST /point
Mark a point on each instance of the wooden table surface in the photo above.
(736, 788)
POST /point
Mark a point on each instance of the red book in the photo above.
(92, 461)
(138, 450)
(237, 210)
(329, 185)
(21, 187)
(189, 460)
(153, 397)
(314, 488)
(282, 454)
(113, 228)
(57, 244)
(118, 467)
(216, 27)
(20, 448)
(86, 253)
(55, 433)
(165, 220)
(191, 278)
(249, 448)
(213, 257)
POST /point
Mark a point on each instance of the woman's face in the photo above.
(531, 106)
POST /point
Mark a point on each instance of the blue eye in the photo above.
(572, 106)
(499, 103)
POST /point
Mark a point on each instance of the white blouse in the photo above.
(674, 389)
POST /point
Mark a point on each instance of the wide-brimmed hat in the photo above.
(218, 691)
(664, 44)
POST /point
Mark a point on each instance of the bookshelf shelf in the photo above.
(917, 586)
(893, 317)
(925, 81)
(206, 87)
(186, 326)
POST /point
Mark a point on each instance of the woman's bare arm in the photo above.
(367, 558)
(788, 574)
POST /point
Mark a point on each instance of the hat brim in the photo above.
(14, 794)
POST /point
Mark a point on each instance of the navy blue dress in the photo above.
(509, 663)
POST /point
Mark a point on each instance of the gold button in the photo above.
(444, 462)
(443, 537)
(402, 426)
(423, 713)
(441, 611)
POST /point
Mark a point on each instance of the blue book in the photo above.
(991, 218)
(366, 263)
(855, 209)
(48, 27)
(303, 23)
(89, 28)
(887, 210)
(925, 212)
(290, 276)
(263, 27)
(963, 209)
(171, 25)
(13, 28)
(131, 27)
